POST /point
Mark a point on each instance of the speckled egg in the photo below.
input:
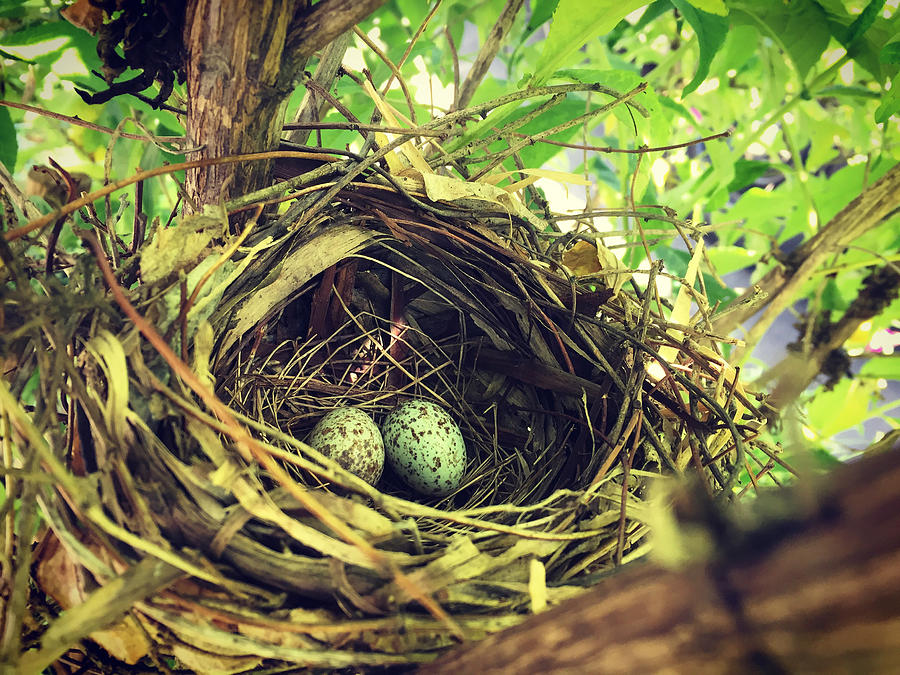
(352, 439)
(425, 447)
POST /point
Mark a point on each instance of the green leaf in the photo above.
(849, 91)
(9, 146)
(869, 31)
(541, 11)
(863, 22)
(37, 33)
(722, 159)
(537, 154)
(14, 57)
(656, 129)
(887, 367)
(677, 263)
(799, 28)
(622, 81)
(574, 23)
(601, 171)
(890, 104)
(716, 292)
(13, 10)
(711, 31)
(890, 53)
(845, 406)
(711, 6)
(727, 259)
(832, 298)
(746, 171)
(652, 12)
(735, 53)
(825, 459)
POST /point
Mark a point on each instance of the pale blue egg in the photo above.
(425, 447)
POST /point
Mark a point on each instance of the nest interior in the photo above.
(446, 312)
(371, 296)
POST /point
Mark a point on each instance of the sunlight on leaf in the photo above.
(711, 31)
(711, 6)
(574, 23)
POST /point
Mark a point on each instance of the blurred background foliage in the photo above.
(809, 90)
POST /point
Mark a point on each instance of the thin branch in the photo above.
(515, 147)
(43, 221)
(88, 125)
(326, 72)
(359, 126)
(636, 151)
(394, 70)
(323, 23)
(488, 52)
(797, 371)
(782, 285)
(412, 43)
(455, 56)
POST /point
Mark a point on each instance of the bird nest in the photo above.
(187, 483)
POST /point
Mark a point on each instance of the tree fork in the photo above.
(241, 68)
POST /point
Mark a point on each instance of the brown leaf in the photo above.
(63, 579)
(82, 14)
(582, 259)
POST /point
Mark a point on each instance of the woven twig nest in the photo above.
(376, 296)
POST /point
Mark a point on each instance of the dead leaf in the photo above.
(585, 258)
(173, 249)
(582, 259)
(60, 577)
(83, 14)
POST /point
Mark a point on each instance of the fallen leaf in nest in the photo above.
(533, 175)
(49, 185)
(585, 258)
(206, 662)
(582, 259)
(315, 255)
(470, 194)
(408, 149)
(173, 249)
(681, 313)
(64, 580)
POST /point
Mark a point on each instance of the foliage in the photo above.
(810, 89)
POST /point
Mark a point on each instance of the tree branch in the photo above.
(816, 588)
(323, 22)
(797, 370)
(487, 53)
(782, 284)
(326, 71)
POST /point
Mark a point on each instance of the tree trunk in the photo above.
(243, 62)
(236, 88)
(814, 589)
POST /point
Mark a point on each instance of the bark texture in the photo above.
(815, 589)
(236, 89)
(243, 62)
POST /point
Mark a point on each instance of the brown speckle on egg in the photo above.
(352, 439)
(425, 447)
